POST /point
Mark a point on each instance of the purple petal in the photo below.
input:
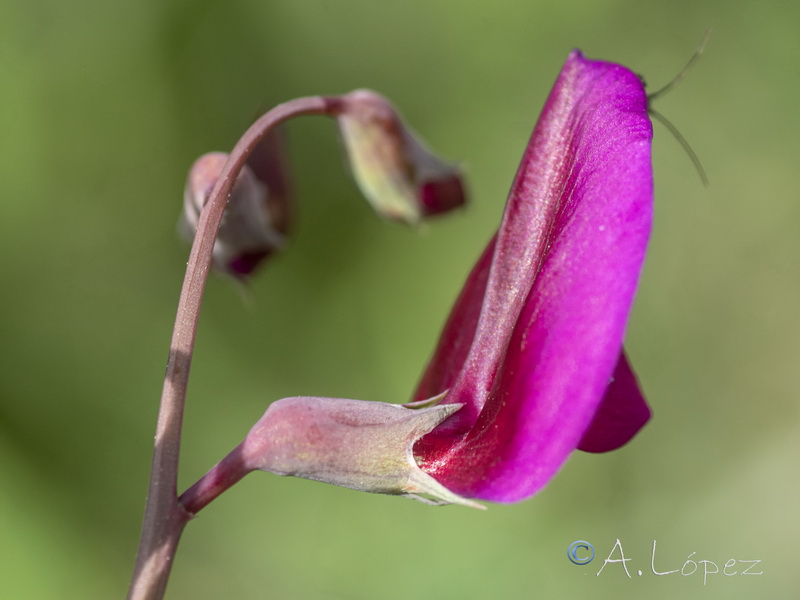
(621, 414)
(561, 284)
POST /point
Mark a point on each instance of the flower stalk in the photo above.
(165, 517)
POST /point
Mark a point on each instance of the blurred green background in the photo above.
(103, 108)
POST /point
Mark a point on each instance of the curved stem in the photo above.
(165, 517)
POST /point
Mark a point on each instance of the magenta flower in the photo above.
(536, 335)
(529, 366)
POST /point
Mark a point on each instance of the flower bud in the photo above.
(257, 214)
(399, 176)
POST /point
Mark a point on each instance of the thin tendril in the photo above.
(682, 141)
(664, 121)
(679, 77)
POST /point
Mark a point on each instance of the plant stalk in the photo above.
(164, 516)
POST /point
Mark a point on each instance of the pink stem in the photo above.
(165, 517)
(221, 476)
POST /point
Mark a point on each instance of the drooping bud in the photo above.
(361, 445)
(400, 177)
(257, 214)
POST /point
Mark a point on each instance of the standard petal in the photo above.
(621, 414)
(561, 285)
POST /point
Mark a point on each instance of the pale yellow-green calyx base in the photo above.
(391, 165)
(376, 149)
(366, 446)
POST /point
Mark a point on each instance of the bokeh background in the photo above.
(103, 107)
